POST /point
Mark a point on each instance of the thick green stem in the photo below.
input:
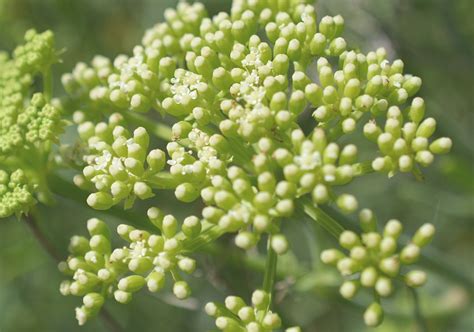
(270, 269)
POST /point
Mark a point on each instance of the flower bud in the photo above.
(441, 145)
(347, 203)
(424, 235)
(348, 289)
(131, 284)
(279, 243)
(373, 316)
(415, 278)
(410, 254)
(383, 286)
(181, 290)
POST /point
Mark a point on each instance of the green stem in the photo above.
(321, 217)
(270, 270)
(47, 83)
(417, 310)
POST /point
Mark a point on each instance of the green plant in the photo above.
(235, 87)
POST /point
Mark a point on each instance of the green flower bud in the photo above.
(186, 192)
(441, 145)
(246, 240)
(424, 235)
(368, 221)
(410, 254)
(349, 289)
(122, 296)
(260, 299)
(155, 281)
(78, 245)
(426, 128)
(415, 278)
(347, 203)
(187, 265)
(181, 290)
(271, 321)
(373, 316)
(390, 266)
(100, 244)
(383, 286)
(130, 284)
(93, 301)
(279, 243)
(234, 304)
(368, 277)
(100, 201)
(393, 228)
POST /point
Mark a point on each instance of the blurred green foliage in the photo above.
(435, 39)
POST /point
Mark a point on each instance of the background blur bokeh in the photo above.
(435, 39)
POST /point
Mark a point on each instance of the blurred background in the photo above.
(435, 39)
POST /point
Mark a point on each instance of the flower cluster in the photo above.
(99, 272)
(15, 193)
(24, 122)
(138, 82)
(236, 315)
(236, 86)
(117, 163)
(29, 123)
(373, 260)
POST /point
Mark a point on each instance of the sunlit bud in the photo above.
(390, 266)
(368, 221)
(186, 192)
(187, 265)
(245, 240)
(424, 158)
(368, 276)
(373, 316)
(424, 235)
(260, 299)
(393, 228)
(348, 289)
(441, 145)
(415, 278)
(234, 303)
(122, 296)
(426, 128)
(383, 286)
(155, 215)
(100, 201)
(100, 244)
(271, 321)
(347, 203)
(131, 283)
(246, 314)
(181, 290)
(417, 110)
(388, 246)
(405, 163)
(410, 254)
(155, 281)
(331, 256)
(347, 266)
(348, 239)
(279, 243)
(228, 324)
